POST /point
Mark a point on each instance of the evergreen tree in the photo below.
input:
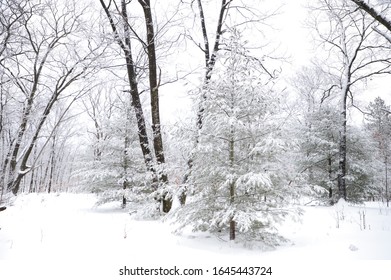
(315, 131)
(379, 125)
(111, 165)
(237, 186)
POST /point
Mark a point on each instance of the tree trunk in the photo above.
(154, 95)
(386, 170)
(232, 223)
(210, 61)
(342, 141)
(125, 184)
(330, 171)
(136, 102)
(52, 166)
(134, 92)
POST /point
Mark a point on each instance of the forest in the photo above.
(205, 112)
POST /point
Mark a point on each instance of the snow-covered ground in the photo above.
(63, 236)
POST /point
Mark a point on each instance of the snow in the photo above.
(65, 236)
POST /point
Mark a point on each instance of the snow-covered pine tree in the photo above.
(111, 164)
(319, 149)
(315, 129)
(361, 165)
(379, 126)
(236, 184)
(354, 52)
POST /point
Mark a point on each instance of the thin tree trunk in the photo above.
(23, 166)
(232, 223)
(210, 61)
(125, 183)
(330, 171)
(386, 167)
(52, 165)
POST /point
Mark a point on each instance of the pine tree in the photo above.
(236, 187)
(315, 131)
(379, 125)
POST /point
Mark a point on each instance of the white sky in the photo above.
(288, 33)
(297, 45)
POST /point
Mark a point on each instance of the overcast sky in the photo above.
(297, 45)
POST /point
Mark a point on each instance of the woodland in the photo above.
(255, 134)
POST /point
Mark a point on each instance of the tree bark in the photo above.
(373, 13)
(345, 87)
(330, 171)
(232, 223)
(155, 107)
(342, 155)
(386, 171)
(52, 166)
(134, 92)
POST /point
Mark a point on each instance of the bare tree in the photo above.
(48, 57)
(124, 40)
(13, 15)
(355, 55)
(125, 43)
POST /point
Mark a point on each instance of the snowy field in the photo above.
(65, 236)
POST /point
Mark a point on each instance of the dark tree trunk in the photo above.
(124, 187)
(330, 171)
(52, 167)
(341, 178)
(136, 102)
(154, 94)
(63, 84)
(23, 166)
(232, 223)
(134, 92)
